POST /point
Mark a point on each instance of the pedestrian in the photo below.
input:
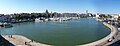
(11, 36)
(31, 40)
(25, 43)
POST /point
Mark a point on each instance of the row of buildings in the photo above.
(105, 17)
(113, 19)
(24, 17)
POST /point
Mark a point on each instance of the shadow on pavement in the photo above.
(117, 43)
(4, 42)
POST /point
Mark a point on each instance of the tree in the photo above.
(32, 16)
(102, 16)
(39, 15)
(25, 16)
(109, 16)
(18, 17)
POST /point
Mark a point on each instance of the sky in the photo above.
(61, 6)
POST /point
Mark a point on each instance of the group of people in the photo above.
(10, 36)
(28, 43)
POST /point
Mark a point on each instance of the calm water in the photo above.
(70, 33)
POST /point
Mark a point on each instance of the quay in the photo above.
(19, 40)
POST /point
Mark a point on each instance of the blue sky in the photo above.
(77, 6)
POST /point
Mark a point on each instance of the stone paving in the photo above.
(114, 41)
(19, 40)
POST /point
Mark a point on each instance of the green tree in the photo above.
(109, 16)
(102, 16)
(32, 17)
(18, 17)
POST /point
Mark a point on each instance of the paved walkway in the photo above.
(19, 40)
(114, 41)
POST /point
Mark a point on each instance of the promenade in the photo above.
(19, 40)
